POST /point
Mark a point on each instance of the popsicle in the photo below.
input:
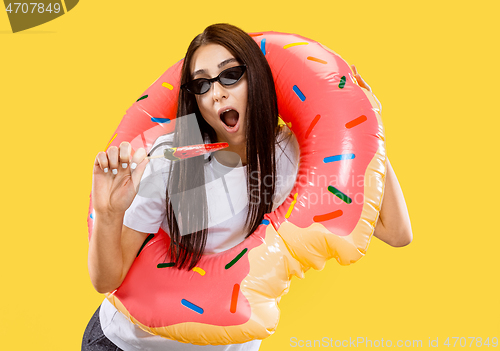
(183, 152)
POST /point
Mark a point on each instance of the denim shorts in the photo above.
(94, 338)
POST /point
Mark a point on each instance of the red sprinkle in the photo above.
(234, 298)
(356, 121)
(327, 216)
(311, 126)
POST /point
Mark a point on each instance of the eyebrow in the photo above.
(220, 65)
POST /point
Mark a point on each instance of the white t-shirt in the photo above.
(227, 202)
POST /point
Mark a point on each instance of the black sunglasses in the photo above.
(227, 77)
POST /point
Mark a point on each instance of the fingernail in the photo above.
(105, 170)
(124, 165)
(133, 165)
(115, 171)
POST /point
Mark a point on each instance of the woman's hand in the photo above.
(113, 246)
(363, 84)
(116, 178)
(393, 225)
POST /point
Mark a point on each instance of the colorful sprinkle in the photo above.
(338, 158)
(265, 222)
(311, 126)
(281, 122)
(356, 121)
(113, 138)
(236, 259)
(199, 270)
(142, 98)
(234, 298)
(339, 194)
(294, 44)
(263, 46)
(255, 34)
(327, 216)
(289, 212)
(168, 86)
(192, 306)
(315, 59)
(299, 93)
(342, 82)
(91, 215)
(165, 265)
(160, 120)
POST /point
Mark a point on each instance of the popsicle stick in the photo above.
(157, 156)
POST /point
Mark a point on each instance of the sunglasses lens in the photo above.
(198, 86)
(232, 75)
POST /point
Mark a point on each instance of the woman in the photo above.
(228, 85)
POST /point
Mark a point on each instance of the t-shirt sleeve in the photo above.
(147, 211)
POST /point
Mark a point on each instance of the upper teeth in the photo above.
(229, 109)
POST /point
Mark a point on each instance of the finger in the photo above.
(113, 159)
(362, 83)
(138, 171)
(101, 160)
(125, 150)
(138, 157)
(354, 69)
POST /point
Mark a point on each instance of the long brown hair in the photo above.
(188, 229)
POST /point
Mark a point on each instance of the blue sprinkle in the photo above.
(160, 120)
(263, 46)
(299, 93)
(192, 306)
(91, 215)
(265, 222)
(338, 158)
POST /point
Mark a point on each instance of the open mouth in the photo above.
(230, 118)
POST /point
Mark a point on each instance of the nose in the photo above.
(219, 92)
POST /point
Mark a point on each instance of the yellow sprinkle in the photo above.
(289, 212)
(283, 123)
(199, 270)
(293, 44)
(166, 85)
(111, 141)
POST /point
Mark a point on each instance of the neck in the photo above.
(232, 156)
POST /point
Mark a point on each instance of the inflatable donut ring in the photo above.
(232, 296)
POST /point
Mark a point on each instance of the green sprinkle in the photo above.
(341, 84)
(142, 98)
(165, 265)
(236, 259)
(339, 194)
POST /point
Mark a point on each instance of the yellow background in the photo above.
(65, 85)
